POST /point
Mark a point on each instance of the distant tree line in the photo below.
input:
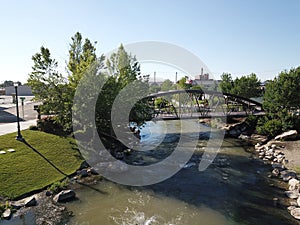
(9, 83)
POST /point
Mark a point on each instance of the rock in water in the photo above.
(64, 196)
(288, 174)
(298, 201)
(6, 214)
(31, 201)
(290, 208)
(296, 213)
(292, 194)
(27, 202)
(275, 172)
(293, 184)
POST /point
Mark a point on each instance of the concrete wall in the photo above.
(23, 90)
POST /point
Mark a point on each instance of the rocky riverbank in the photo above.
(278, 155)
(281, 153)
(47, 206)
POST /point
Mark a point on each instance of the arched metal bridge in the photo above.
(187, 104)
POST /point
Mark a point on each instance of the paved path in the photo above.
(6, 128)
(8, 117)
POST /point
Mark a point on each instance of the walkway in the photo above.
(8, 117)
(7, 128)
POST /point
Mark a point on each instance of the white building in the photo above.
(23, 90)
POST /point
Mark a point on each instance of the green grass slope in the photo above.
(42, 160)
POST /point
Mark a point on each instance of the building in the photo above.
(204, 81)
(23, 90)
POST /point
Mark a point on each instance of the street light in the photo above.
(19, 136)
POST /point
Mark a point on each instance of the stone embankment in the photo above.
(273, 152)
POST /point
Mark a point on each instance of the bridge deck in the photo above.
(201, 116)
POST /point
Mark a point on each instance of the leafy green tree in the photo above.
(154, 88)
(122, 69)
(247, 86)
(283, 92)
(183, 83)
(196, 87)
(167, 85)
(9, 83)
(280, 101)
(57, 93)
(81, 57)
(226, 84)
(49, 86)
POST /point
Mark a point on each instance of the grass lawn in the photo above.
(42, 161)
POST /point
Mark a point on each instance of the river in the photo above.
(234, 189)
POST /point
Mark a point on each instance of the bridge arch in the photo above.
(186, 104)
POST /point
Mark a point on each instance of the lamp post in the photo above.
(19, 136)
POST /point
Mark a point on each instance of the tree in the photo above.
(54, 90)
(81, 57)
(122, 70)
(167, 85)
(196, 87)
(9, 83)
(283, 92)
(247, 86)
(184, 83)
(49, 86)
(280, 101)
(154, 88)
(226, 84)
(57, 93)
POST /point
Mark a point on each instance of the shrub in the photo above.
(58, 186)
(251, 121)
(270, 128)
(33, 127)
(49, 125)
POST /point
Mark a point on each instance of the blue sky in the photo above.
(236, 36)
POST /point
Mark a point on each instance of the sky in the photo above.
(235, 36)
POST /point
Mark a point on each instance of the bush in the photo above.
(58, 186)
(33, 127)
(49, 125)
(270, 128)
(251, 121)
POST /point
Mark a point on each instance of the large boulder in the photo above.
(293, 184)
(27, 202)
(64, 196)
(296, 213)
(7, 214)
(288, 135)
(30, 201)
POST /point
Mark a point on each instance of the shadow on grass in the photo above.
(47, 160)
(60, 171)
